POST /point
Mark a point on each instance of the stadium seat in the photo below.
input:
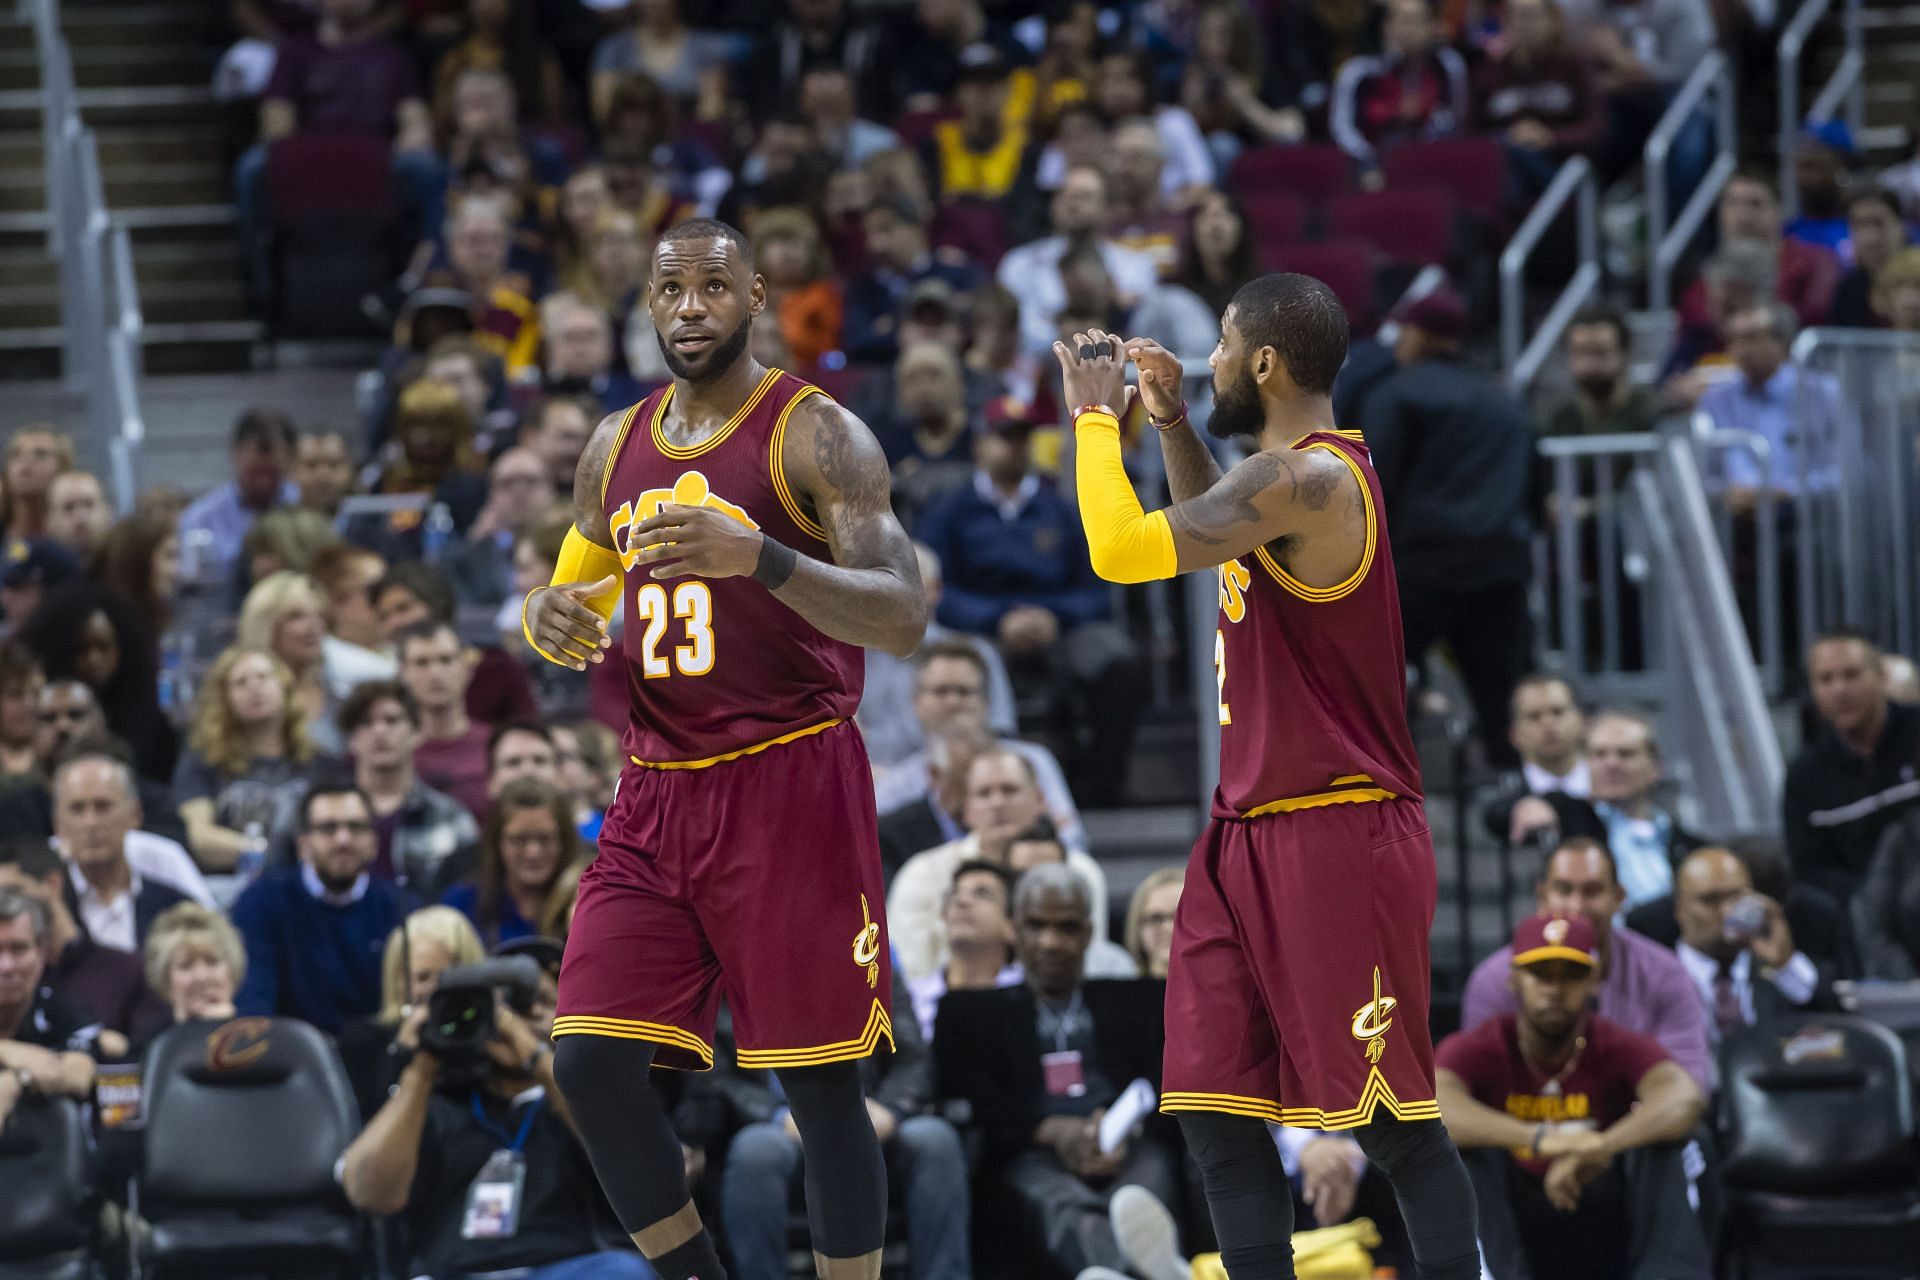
(975, 227)
(331, 210)
(1314, 171)
(1407, 228)
(47, 1210)
(1345, 266)
(1472, 172)
(1818, 1140)
(1274, 219)
(245, 1120)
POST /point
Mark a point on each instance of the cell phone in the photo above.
(1746, 919)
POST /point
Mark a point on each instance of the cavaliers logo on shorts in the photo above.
(866, 945)
(1372, 1020)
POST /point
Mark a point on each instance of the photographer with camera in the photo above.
(476, 1146)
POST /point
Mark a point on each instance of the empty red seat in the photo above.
(321, 175)
(1470, 171)
(1314, 171)
(1344, 266)
(1274, 219)
(1407, 228)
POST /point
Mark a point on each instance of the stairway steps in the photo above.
(166, 185)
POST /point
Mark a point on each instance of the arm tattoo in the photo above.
(1318, 490)
(1216, 514)
(1191, 468)
(589, 508)
(869, 593)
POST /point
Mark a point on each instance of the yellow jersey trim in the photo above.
(1230, 1103)
(606, 473)
(713, 441)
(1330, 431)
(777, 465)
(861, 1046)
(631, 1029)
(755, 749)
(1339, 591)
(1374, 1094)
(1320, 799)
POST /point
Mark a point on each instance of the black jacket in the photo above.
(910, 829)
(1579, 818)
(1887, 910)
(987, 1051)
(1837, 805)
(1456, 458)
(901, 1081)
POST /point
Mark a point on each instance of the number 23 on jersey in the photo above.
(654, 609)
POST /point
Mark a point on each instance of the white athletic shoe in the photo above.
(1148, 1238)
(1102, 1273)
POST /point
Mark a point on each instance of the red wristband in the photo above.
(1170, 423)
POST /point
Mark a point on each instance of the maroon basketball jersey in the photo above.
(717, 668)
(1313, 680)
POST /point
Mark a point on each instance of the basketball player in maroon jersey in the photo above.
(1299, 984)
(745, 520)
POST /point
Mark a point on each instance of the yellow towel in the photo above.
(1330, 1253)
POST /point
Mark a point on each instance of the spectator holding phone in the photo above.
(1737, 947)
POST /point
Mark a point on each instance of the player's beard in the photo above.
(1236, 409)
(719, 359)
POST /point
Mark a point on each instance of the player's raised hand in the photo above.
(681, 541)
(1160, 377)
(564, 625)
(1094, 370)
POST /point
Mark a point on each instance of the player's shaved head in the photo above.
(1302, 320)
(702, 229)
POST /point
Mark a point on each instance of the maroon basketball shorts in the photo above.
(1299, 985)
(758, 877)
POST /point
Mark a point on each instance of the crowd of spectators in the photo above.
(281, 751)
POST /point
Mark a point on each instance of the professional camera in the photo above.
(460, 1014)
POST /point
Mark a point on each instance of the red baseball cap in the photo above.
(1555, 938)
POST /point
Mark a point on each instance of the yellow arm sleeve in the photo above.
(580, 561)
(1126, 543)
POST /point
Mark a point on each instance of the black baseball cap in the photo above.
(37, 561)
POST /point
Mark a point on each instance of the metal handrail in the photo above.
(100, 315)
(1848, 81)
(1575, 180)
(1669, 240)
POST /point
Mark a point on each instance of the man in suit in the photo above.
(1820, 927)
(1738, 948)
(95, 806)
(1623, 764)
(1040, 1064)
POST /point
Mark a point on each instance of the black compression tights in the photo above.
(1252, 1206)
(624, 1127)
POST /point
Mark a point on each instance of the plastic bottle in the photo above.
(436, 533)
(253, 854)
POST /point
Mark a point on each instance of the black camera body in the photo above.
(460, 1014)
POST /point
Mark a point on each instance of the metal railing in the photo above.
(1668, 237)
(1715, 713)
(1844, 89)
(1522, 357)
(1857, 541)
(100, 315)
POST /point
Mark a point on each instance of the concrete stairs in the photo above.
(141, 72)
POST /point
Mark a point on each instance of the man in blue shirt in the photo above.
(1017, 571)
(262, 453)
(316, 932)
(1796, 411)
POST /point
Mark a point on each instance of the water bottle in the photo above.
(253, 853)
(436, 533)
